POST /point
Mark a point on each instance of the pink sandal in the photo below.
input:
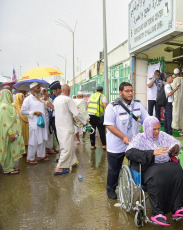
(160, 220)
(178, 213)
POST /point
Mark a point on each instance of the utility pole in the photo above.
(105, 52)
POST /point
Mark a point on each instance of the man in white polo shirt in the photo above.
(153, 85)
(169, 92)
(121, 127)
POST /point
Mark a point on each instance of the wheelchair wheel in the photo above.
(138, 218)
(126, 188)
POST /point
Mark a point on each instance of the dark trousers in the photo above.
(95, 122)
(151, 104)
(52, 123)
(168, 118)
(115, 161)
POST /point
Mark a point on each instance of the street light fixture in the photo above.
(66, 26)
(65, 65)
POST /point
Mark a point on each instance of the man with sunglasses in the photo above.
(121, 121)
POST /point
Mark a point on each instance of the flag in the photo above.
(14, 78)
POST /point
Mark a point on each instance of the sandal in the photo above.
(16, 169)
(104, 147)
(160, 220)
(56, 150)
(93, 147)
(64, 171)
(43, 158)
(178, 213)
(32, 162)
(51, 152)
(11, 173)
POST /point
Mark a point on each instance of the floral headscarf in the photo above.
(145, 141)
(148, 127)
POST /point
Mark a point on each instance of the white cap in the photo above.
(33, 85)
(80, 93)
(176, 71)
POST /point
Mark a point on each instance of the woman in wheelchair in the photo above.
(162, 177)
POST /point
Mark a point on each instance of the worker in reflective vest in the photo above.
(96, 107)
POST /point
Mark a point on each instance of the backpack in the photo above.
(161, 99)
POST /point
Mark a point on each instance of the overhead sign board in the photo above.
(150, 20)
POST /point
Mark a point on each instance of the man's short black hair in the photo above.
(55, 85)
(167, 76)
(123, 84)
(157, 71)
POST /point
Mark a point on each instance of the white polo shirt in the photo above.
(116, 116)
(151, 92)
(168, 89)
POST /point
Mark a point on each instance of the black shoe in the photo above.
(112, 195)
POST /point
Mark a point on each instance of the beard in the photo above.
(126, 99)
(38, 95)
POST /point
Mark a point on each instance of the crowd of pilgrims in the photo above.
(20, 136)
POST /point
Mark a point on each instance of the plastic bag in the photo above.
(40, 122)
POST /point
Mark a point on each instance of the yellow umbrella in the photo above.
(40, 72)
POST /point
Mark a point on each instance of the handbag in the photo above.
(41, 122)
(174, 159)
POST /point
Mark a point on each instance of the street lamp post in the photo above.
(65, 65)
(65, 25)
(105, 51)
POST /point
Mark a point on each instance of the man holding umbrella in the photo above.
(33, 107)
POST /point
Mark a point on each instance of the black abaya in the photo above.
(164, 181)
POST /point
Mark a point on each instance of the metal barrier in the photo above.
(117, 75)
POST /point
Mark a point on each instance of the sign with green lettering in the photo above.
(148, 21)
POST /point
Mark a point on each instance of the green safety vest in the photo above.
(93, 106)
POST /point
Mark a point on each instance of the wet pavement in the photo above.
(36, 199)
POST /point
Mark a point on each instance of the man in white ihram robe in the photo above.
(65, 109)
(177, 118)
(32, 107)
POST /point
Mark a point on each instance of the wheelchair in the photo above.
(129, 184)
